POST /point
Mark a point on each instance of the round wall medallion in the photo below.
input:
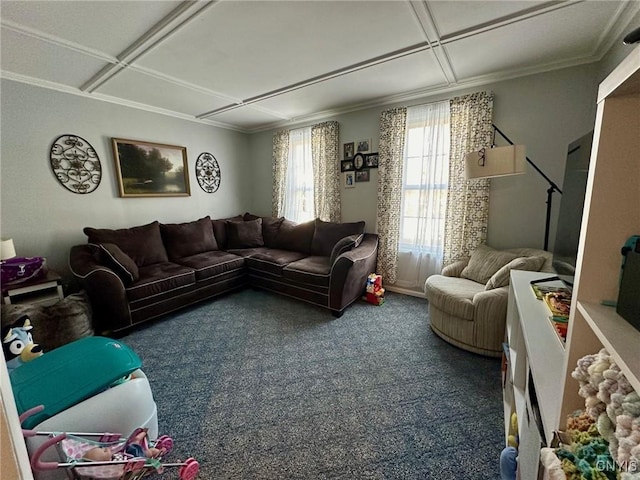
(75, 164)
(208, 172)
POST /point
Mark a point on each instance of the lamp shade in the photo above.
(7, 250)
(496, 162)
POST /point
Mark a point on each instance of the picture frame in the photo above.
(348, 150)
(347, 166)
(146, 169)
(363, 145)
(362, 175)
(349, 179)
(358, 161)
(371, 160)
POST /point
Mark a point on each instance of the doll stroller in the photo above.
(126, 458)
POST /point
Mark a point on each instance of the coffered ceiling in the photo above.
(252, 65)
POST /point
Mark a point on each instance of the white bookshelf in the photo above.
(611, 215)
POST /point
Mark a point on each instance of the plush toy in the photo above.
(375, 292)
(17, 343)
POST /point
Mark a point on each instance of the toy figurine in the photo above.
(17, 343)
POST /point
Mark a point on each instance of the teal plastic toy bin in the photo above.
(69, 375)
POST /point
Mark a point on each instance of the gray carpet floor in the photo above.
(258, 386)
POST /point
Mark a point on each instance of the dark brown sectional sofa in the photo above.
(139, 273)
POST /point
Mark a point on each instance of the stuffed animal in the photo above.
(17, 343)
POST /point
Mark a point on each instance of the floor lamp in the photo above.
(504, 161)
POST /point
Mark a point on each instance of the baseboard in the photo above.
(405, 291)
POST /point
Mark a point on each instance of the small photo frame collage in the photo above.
(357, 162)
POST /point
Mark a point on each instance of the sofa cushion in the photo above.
(344, 245)
(295, 236)
(143, 244)
(270, 228)
(327, 234)
(190, 238)
(245, 234)
(160, 278)
(484, 262)
(501, 277)
(220, 229)
(273, 260)
(314, 271)
(210, 264)
(109, 254)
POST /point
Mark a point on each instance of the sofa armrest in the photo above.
(455, 269)
(104, 287)
(349, 273)
(490, 314)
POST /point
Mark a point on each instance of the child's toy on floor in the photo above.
(375, 292)
(109, 457)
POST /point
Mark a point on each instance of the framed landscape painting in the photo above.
(150, 169)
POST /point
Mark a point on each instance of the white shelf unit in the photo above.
(536, 355)
(611, 215)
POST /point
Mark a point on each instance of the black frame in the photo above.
(358, 161)
(371, 160)
(346, 165)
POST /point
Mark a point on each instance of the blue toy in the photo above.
(17, 343)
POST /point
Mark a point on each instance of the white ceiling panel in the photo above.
(568, 35)
(106, 26)
(26, 55)
(249, 48)
(142, 88)
(451, 17)
(419, 71)
(247, 117)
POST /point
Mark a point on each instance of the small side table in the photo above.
(43, 291)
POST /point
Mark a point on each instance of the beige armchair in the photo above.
(468, 301)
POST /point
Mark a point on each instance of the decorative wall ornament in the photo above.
(208, 172)
(75, 164)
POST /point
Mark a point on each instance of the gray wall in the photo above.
(545, 112)
(46, 219)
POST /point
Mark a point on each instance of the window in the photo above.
(298, 197)
(425, 179)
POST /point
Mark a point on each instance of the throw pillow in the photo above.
(270, 229)
(190, 238)
(484, 262)
(109, 254)
(54, 325)
(295, 236)
(501, 277)
(327, 234)
(245, 234)
(345, 244)
(143, 244)
(220, 229)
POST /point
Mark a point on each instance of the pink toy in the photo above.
(108, 457)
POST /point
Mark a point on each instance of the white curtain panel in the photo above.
(298, 185)
(424, 199)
